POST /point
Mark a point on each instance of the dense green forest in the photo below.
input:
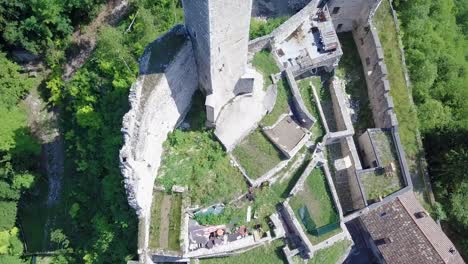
(436, 45)
(97, 225)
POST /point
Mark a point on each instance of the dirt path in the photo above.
(86, 41)
(164, 228)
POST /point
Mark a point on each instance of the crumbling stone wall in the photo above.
(159, 100)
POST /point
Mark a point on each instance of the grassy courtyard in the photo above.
(314, 206)
(404, 108)
(194, 158)
(257, 155)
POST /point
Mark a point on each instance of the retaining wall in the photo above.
(159, 100)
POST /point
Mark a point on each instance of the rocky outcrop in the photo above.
(159, 100)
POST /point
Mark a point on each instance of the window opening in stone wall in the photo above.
(336, 10)
(367, 61)
(338, 28)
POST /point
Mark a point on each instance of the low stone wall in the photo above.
(260, 44)
(300, 110)
(341, 112)
(159, 100)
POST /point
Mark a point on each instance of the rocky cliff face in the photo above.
(159, 99)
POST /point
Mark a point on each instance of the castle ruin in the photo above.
(212, 53)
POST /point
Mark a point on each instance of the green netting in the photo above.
(310, 225)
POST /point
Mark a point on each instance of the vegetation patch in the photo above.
(264, 62)
(331, 254)
(155, 223)
(166, 211)
(194, 158)
(404, 108)
(257, 155)
(321, 85)
(175, 218)
(282, 103)
(377, 183)
(267, 254)
(350, 69)
(314, 205)
(318, 131)
(260, 27)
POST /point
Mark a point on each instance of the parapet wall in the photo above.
(159, 99)
(375, 71)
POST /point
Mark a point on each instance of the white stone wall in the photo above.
(220, 32)
(157, 103)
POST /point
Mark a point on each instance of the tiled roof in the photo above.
(412, 240)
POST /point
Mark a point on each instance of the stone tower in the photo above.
(219, 30)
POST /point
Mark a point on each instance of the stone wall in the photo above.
(375, 71)
(347, 14)
(300, 110)
(341, 112)
(159, 100)
(259, 44)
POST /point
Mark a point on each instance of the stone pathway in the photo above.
(164, 228)
(111, 14)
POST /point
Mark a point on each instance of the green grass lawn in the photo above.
(281, 105)
(194, 158)
(267, 254)
(331, 254)
(257, 155)
(404, 108)
(376, 184)
(264, 62)
(314, 204)
(318, 131)
(323, 92)
(155, 219)
(350, 69)
(175, 222)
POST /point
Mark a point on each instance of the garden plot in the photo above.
(165, 222)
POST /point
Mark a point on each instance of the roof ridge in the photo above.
(419, 227)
